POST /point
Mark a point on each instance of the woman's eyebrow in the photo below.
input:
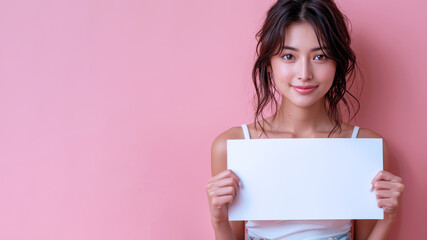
(296, 49)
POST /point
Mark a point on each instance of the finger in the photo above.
(381, 194)
(231, 181)
(234, 175)
(225, 174)
(389, 203)
(222, 191)
(390, 194)
(382, 185)
(219, 175)
(384, 175)
(377, 177)
(220, 183)
(225, 191)
(219, 180)
(219, 202)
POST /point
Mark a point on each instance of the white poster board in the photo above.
(305, 178)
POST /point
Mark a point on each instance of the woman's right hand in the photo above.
(221, 190)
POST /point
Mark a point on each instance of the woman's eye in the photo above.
(320, 57)
(288, 57)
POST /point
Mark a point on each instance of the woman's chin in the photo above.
(305, 103)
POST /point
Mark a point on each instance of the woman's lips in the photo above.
(304, 89)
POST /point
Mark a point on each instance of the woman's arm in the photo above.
(222, 188)
(388, 188)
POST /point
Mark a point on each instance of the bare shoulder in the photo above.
(219, 145)
(367, 133)
(219, 149)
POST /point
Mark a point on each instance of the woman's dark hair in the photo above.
(330, 26)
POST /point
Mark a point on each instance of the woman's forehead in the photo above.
(301, 36)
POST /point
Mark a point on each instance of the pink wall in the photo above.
(108, 109)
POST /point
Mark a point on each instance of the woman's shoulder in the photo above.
(348, 129)
(368, 133)
(220, 142)
(219, 149)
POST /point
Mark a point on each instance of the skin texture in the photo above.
(300, 115)
(299, 65)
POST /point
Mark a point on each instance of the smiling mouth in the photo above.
(304, 89)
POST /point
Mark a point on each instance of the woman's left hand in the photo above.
(388, 188)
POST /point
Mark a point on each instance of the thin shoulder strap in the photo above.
(246, 131)
(355, 132)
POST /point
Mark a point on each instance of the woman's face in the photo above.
(301, 72)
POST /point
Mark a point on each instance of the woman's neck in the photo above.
(302, 121)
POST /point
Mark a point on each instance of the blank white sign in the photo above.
(305, 178)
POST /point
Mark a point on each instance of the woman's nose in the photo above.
(304, 71)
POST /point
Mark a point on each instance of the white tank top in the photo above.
(297, 229)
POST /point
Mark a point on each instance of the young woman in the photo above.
(304, 58)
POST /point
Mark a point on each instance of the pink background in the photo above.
(108, 109)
